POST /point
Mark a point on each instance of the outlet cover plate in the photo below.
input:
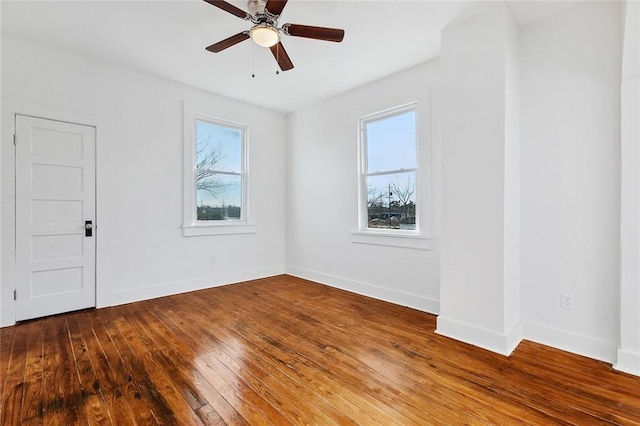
(566, 301)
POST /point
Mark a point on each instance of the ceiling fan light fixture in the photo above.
(264, 35)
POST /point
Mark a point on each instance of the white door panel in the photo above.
(55, 195)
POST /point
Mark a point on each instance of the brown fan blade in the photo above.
(275, 6)
(228, 7)
(228, 42)
(317, 33)
(281, 57)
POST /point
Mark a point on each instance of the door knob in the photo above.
(88, 228)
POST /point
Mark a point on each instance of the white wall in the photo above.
(141, 252)
(322, 186)
(570, 177)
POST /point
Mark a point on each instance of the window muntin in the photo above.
(389, 170)
(219, 171)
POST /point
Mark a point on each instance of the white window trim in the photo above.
(190, 226)
(412, 241)
(420, 238)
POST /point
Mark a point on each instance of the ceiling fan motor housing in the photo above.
(256, 7)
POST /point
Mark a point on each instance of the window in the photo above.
(219, 171)
(389, 170)
(215, 176)
(389, 182)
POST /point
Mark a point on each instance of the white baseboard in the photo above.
(600, 349)
(5, 320)
(421, 303)
(628, 362)
(177, 287)
(502, 343)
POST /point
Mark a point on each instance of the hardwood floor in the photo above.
(288, 351)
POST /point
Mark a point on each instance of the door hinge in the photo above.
(15, 296)
(14, 138)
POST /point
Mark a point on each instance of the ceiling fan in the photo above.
(264, 14)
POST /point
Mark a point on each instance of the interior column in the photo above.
(480, 287)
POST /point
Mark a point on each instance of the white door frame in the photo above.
(8, 193)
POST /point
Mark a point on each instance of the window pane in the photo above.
(218, 147)
(391, 201)
(391, 142)
(219, 197)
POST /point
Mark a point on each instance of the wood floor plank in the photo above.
(209, 415)
(14, 384)
(112, 376)
(181, 391)
(32, 405)
(66, 396)
(387, 351)
(283, 364)
(55, 368)
(334, 348)
(97, 408)
(106, 384)
(204, 397)
(160, 378)
(236, 386)
(324, 375)
(128, 371)
(393, 367)
(283, 350)
(311, 332)
(284, 389)
(472, 373)
(6, 348)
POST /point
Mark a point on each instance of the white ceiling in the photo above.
(168, 39)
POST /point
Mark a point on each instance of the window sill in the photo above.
(411, 241)
(219, 229)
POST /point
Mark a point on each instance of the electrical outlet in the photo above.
(213, 260)
(566, 301)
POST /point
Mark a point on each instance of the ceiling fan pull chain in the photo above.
(253, 62)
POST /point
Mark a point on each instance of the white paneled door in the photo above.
(55, 213)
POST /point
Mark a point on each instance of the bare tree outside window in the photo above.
(218, 171)
(208, 159)
(405, 194)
